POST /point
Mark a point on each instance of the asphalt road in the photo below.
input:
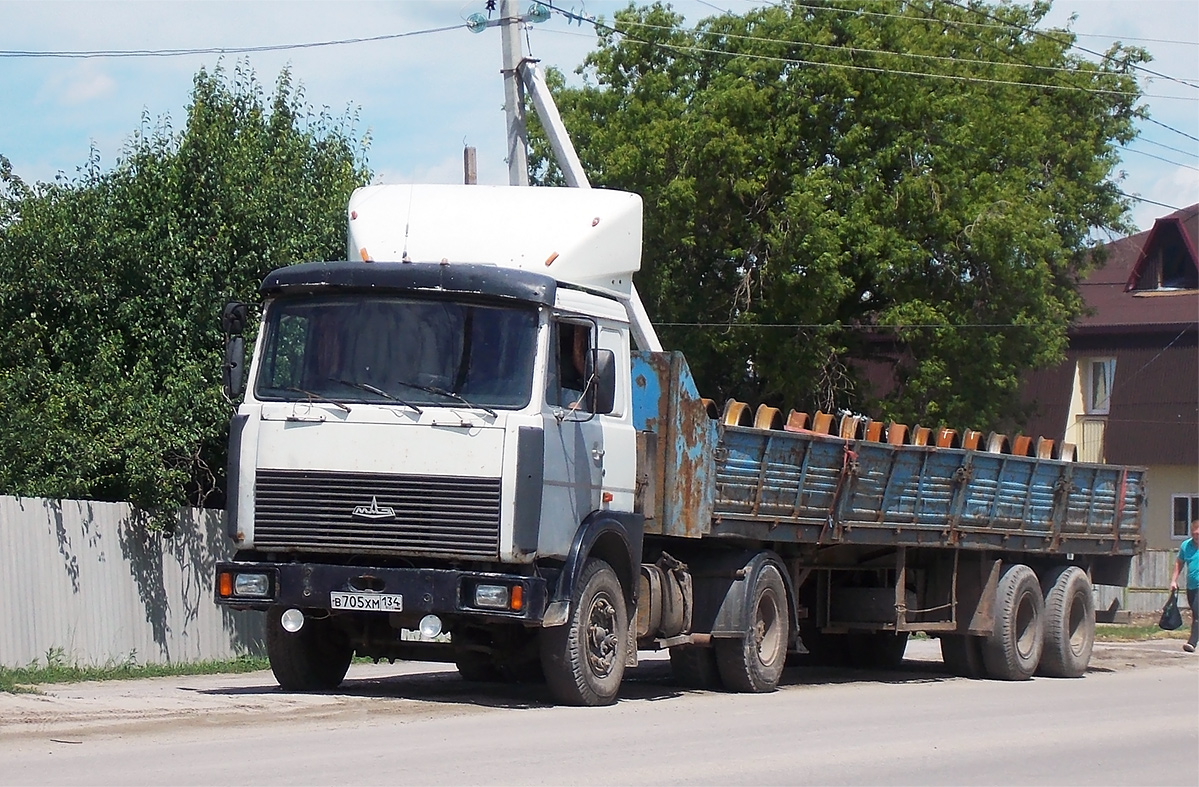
(1134, 719)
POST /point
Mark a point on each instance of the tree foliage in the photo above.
(111, 285)
(832, 188)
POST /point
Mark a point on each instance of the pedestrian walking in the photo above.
(1188, 557)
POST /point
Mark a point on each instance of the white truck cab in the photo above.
(435, 427)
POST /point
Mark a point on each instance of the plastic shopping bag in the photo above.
(1171, 617)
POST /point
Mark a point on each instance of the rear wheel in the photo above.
(584, 659)
(754, 663)
(1069, 623)
(315, 658)
(1013, 650)
(876, 649)
(694, 667)
(963, 655)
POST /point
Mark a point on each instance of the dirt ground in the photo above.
(66, 713)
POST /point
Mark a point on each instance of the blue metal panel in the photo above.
(666, 401)
(805, 487)
(865, 492)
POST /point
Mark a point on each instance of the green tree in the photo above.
(111, 285)
(835, 187)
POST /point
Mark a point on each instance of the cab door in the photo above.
(574, 437)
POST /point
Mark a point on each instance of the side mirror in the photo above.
(602, 372)
(233, 318)
(231, 371)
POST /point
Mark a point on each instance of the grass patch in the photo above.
(55, 669)
(1125, 632)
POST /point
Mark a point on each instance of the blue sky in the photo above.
(422, 97)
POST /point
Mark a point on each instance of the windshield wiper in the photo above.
(318, 397)
(378, 392)
(450, 395)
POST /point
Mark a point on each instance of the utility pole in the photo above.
(514, 105)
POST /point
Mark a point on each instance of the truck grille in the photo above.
(366, 512)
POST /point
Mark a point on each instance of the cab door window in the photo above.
(567, 379)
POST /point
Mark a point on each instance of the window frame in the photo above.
(554, 389)
(1089, 404)
(1192, 513)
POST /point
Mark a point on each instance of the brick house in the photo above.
(1128, 392)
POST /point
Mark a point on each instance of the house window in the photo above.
(1100, 373)
(1186, 510)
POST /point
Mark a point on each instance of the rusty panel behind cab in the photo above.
(666, 402)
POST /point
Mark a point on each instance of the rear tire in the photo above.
(754, 663)
(876, 649)
(315, 658)
(963, 655)
(584, 659)
(1069, 623)
(1013, 650)
(695, 667)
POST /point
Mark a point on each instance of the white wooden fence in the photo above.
(1147, 587)
(84, 582)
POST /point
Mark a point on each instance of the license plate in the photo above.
(366, 602)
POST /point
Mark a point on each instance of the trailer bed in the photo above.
(712, 480)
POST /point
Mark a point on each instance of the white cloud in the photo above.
(81, 84)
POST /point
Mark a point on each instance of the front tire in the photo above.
(1069, 624)
(584, 659)
(315, 658)
(1013, 649)
(754, 663)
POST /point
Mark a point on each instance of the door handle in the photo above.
(597, 453)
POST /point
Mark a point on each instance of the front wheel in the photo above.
(315, 658)
(584, 659)
(755, 663)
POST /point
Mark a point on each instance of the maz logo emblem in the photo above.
(373, 511)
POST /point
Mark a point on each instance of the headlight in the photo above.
(491, 596)
(257, 585)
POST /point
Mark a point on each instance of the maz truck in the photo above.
(466, 443)
(450, 449)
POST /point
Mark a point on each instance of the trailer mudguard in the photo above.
(722, 592)
(612, 536)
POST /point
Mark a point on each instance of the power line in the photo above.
(571, 15)
(1147, 201)
(215, 50)
(1171, 128)
(841, 327)
(852, 67)
(1002, 25)
(859, 50)
(1159, 158)
(1168, 147)
(1108, 37)
(1041, 34)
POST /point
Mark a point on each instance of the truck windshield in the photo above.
(398, 350)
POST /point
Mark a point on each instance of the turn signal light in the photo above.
(517, 598)
(225, 585)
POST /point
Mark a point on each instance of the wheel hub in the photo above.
(602, 642)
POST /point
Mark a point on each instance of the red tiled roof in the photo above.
(1112, 305)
